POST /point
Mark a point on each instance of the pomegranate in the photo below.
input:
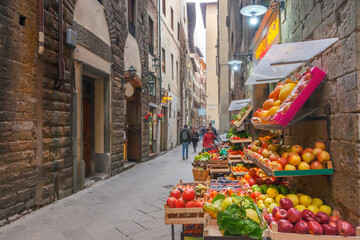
(188, 194)
(175, 193)
(171, 202)
(180, 203)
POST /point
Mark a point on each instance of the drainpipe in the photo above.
(160, 62)
(61, 68)
(41, 27)
(75, 180)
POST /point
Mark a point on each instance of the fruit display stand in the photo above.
(247, 140)
(291, 173)
(274, 233)
(219, 166)
(238, 123)
(183, 215)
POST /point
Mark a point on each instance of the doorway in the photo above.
(164, 130)
(88, 122)
(133, 123)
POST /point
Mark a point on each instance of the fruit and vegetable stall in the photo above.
(252, 197)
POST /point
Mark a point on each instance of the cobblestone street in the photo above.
(127, 206)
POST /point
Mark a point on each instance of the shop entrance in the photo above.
(133, 123)
(163, 130)
(88, 122)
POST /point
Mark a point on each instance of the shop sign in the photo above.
(267, 35)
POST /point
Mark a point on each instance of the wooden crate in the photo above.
(248, 140)
(238, 123)
(274, 234)
(183, 215)
(219, 166)
(211, 231)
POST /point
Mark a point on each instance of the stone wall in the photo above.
(319, 19)
(36, 166)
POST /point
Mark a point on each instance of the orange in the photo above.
(268, 104)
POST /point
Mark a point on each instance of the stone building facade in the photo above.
(42, 108)
(312, 20)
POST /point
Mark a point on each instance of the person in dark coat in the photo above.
(194, 138)
(185, 139)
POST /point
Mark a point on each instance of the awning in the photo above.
(239, 104)
(283, 59)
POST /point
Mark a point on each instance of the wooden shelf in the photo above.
(238, 123)
(292, 173)
(240, 161)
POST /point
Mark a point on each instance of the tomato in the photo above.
(228, 192)
(247, 177)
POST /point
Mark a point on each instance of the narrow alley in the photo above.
(127, 206)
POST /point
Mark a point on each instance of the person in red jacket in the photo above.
(208, 138)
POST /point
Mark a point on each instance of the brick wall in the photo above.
(310, 20)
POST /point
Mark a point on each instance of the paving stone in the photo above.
(129, 227)
(154, 233)
(112, 234)
(158, 214)
(79, 234)
(154, 223)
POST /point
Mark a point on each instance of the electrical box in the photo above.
(71, 37)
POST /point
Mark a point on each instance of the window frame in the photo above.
(172, 66)
(172, 18)
(151, 36)
(132, 17)
(163, 62)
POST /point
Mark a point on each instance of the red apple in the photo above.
(315, 228)
(180, 203)
(301, 227)
(274, 211)
(307, 215)
(308, 157)
(286, 203)
(273, 157)
(320, 145)
(293, 215)
(285, 226)
(316, 165)
(297, 148)
(322, 218)
(282, 161)
(252, 181)
(171, 202)
(270, 220)
(308, 150)
(285, 155)
(323, 157)
(344, 228)
(329, 230)
(268, 215)
(280, 214)
(175, 193)
(294, 159)
(333, 224)
(317, 151)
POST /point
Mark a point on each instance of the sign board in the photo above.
(267, 35)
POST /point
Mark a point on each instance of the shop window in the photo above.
(152, 78)
(172, 18)
(172, 67)
(163, 61)
(164, 7)
(178, 33)
(151, 36)
(131, 16)
(177, 71)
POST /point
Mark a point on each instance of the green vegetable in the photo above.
(218, 197)
(235, 222)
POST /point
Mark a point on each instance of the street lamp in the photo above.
(132, 71)
(253, 11)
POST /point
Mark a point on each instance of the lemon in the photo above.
(260, 202)
(250, 213)
(317, 202)
(272, 111)
(326, 209)
(279, 197)
(313, 208)
(300, 207)
(293, 198)
(299, 195)
(272, 192)
(261, 206)
(268, 201)
(277, 103)
(305, 200)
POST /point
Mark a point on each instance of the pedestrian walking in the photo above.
(202, 132)
(194, 138)
(208, 139)
(185, 139)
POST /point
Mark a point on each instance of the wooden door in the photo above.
(87, 106)
(134, 121)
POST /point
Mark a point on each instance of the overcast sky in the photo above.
(199, 36)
